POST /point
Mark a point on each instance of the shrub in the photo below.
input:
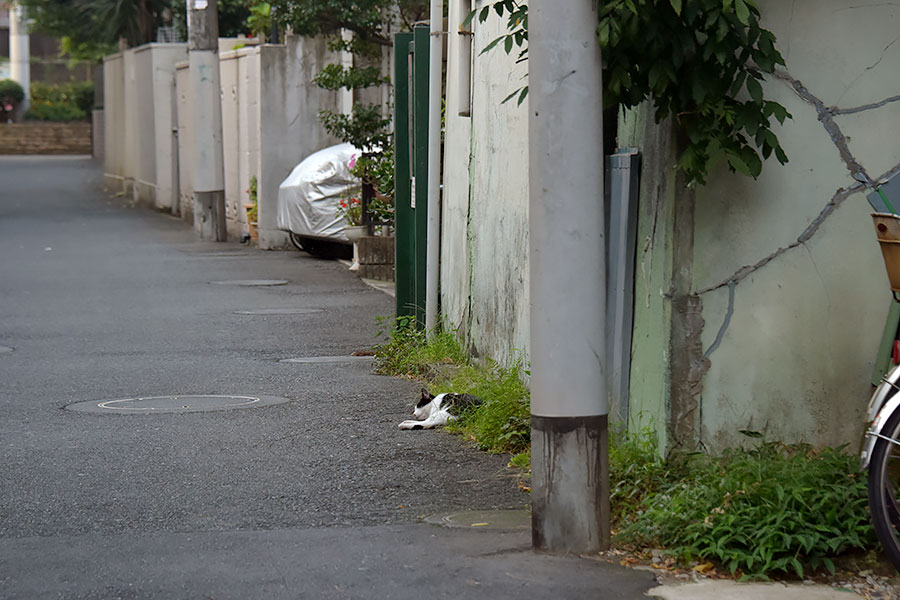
(48, 111)
(63, 102)
(11, 94)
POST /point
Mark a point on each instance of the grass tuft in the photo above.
(502, 423)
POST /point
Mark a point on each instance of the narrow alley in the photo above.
(317, 496)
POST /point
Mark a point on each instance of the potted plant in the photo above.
(252, 208)
(351, 210)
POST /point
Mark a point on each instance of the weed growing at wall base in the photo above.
(502, 423)
(775, 509)
(772, 510)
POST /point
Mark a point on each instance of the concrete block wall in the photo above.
(46, 138)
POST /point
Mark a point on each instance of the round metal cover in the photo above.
(154, 405)
(278, 311)
(5, 349)
(252, 282)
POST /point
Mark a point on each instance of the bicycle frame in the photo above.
(882, 405)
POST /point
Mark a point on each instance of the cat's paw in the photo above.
(410, 425)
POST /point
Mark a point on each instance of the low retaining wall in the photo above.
(45, 138)
(376, 258)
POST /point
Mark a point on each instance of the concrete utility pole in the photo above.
(209, 169)
(569, 408)
(19, 53)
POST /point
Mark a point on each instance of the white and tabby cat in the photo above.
(434, 411)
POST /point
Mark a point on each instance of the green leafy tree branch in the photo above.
(699, 61)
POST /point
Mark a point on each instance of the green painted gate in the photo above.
(411, 169)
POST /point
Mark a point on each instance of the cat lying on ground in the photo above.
(434, 411)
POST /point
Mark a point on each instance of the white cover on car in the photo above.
(308, 198)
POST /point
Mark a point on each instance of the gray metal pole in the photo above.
(209, 170)
(569, 408)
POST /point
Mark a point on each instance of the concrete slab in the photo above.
(721, 589)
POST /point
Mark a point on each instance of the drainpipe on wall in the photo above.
(19, 54)
(567, 261)
(433, 245)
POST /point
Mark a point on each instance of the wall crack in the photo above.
(725, 323)
(747, 270)
(857, 171)
(827, 119)
(849, 111)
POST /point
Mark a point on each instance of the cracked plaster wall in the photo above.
(791, 281)
(484, 254)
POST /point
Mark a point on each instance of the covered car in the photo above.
(308, 199)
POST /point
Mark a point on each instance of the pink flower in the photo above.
(352, 161)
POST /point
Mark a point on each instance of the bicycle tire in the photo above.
(883, 488)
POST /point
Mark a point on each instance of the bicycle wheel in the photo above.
(884, 490)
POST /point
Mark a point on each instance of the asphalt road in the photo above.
(321, 496)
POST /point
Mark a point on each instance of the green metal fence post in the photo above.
(403, 213)
(421, 37)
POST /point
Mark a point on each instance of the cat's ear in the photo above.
(426, 395)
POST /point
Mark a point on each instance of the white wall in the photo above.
(143, 127)
(114, 121)
(228, 71)
(289, 126)
(484, 249)
(270, 123)
(165, 57)
(185, 141)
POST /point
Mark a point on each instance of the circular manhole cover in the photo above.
(484, 519)
(5, 349)
(252, 282)
(278, 311)
(153, 405)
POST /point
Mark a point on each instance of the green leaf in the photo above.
(780, 155)
(468, 19)
(676, 6)
(754, 89)
(742, 11)
(492, 44)
(522, 96)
